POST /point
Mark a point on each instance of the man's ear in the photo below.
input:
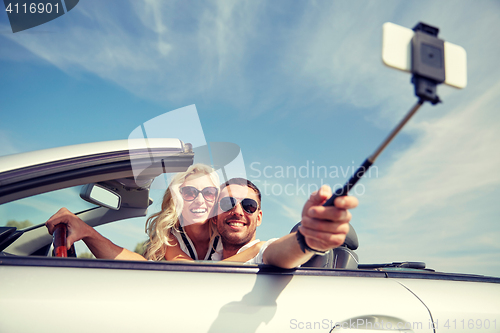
(259, 217)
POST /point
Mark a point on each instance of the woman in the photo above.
(182, 227)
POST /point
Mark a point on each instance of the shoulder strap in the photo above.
(186, 242)
(214, 246)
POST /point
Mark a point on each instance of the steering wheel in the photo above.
(59, 242)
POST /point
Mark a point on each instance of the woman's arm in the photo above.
(174, 252)
(103, 248)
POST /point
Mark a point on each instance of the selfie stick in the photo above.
(428, 72)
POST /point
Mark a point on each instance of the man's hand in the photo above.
(325, 228)
(77, 229)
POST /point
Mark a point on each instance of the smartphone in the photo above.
(397, 53)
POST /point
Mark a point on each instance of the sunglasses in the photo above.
(189, 193)
(249, 205)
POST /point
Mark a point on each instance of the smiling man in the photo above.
(239, 215)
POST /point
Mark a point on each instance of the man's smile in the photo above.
(235, 223)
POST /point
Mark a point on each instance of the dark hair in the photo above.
(242, 182)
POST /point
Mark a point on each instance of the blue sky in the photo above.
(293, 84)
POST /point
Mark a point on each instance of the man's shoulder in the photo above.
(258, 259)
(248, 245)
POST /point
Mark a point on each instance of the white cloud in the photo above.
(293, 213)
(337, 46)
(414, 211)
(333, 51)
(453, 155)
(156, 56)
(438, 196)
(337, 50)
(40, 208)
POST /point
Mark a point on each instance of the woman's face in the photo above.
(198, 210)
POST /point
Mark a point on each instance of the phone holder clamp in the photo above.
(427, 62)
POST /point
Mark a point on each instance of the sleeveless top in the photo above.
(188, 247)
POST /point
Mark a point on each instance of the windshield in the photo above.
(37, 209)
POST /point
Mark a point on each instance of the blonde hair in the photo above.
(159, 225)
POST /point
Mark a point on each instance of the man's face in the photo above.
(236, 226)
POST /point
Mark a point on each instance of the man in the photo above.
(239, 215)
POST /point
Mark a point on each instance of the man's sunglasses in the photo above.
(189, 193)
(249, 205)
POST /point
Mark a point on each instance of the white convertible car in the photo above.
(41, 293)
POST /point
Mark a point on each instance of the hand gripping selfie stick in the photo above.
(428, 68)
(59, 236)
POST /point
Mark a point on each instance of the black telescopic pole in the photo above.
(343, 191)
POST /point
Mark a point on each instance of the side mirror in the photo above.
(101, 196)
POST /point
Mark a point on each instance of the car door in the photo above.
(102, 295)
(459, 303)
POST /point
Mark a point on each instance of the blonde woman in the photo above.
(181, 228)
(180, 231)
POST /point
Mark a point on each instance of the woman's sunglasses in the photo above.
(249, 205)
(189, 193)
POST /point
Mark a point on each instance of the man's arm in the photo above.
(324, 228)
(99, 245)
